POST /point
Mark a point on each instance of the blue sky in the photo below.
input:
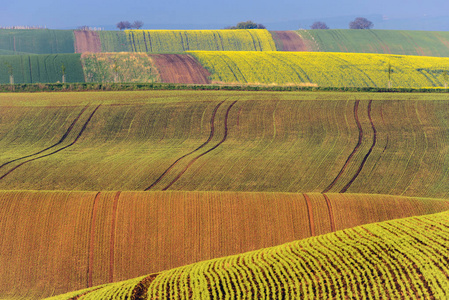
(206, 13)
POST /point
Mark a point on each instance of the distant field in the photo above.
(101, 237)
(399, 259)
(44, 68)
(325, 69)
(226, 141)
(119, 67)
(36, 41)
(160, 41)
(406, 42)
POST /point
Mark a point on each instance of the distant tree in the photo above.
(247, 25)
(84, 27)
(319, 25)
(124, 25)
(137, 24)
(361, 23)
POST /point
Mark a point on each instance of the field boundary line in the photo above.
(310, 214)
(54, 145)
(112, 239)
(90, 252)
(211, 135)
(357, 146)
(56, 151)
(331, 212)
(204, 153)
(346, 187)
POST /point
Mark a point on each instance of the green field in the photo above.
(114, 41)
(405, 42)
(325, 69)
(227, 141)
(399, 259)
(36, 41)
(43, 68)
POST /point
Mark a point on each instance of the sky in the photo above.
(62, 14)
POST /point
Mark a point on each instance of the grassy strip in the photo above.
(69, 87)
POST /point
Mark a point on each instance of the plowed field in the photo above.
(180, 68)
(87, 41)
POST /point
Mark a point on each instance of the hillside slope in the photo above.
(405, 258)
(226, 141)
(102, 237)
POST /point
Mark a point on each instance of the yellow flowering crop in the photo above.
(325, 69)
(159, 41)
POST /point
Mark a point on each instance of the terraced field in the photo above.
(324, 69)
(397, 259)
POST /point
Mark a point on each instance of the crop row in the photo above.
(325, 69)
(160, 41)
(76, 240)
(399, 259)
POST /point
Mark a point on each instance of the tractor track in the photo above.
(112, 238)
(211, 135)
(204, 153)
(56, 151)
(54, 145)
(331, 213)
(359, 143)
(90, 252)
(345, 188)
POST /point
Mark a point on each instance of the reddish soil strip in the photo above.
(87, 41)
(112, 240)
(180, 68)
(52, 146)
(211, 135)
(310, 214)
(290, 41)
(56, 151)
(345, 188)
(204, 153)
(331, 213)
(92, 241)
(359, 142)
(140, 290)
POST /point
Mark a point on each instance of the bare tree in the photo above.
(361, 23)
(319, 25)
(137, 24)
(124, 25)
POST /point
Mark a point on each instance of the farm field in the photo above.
(405, 42)
(41, 68)
(104, 237)
(226, 141)
(324, 69)
(382, 260)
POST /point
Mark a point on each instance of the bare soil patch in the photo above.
(290, 41)
(180, 68)
(87, 41)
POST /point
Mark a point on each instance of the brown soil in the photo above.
(180, 68)
(87, 41)
(291, 41)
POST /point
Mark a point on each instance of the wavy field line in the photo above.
(54, 145)
(56, 151)
(211, 135)
(204, 153)
(346, 187)
(359, 143)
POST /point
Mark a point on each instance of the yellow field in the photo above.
(169, 41)
(325, 69)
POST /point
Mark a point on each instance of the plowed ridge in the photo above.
(180, 68)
